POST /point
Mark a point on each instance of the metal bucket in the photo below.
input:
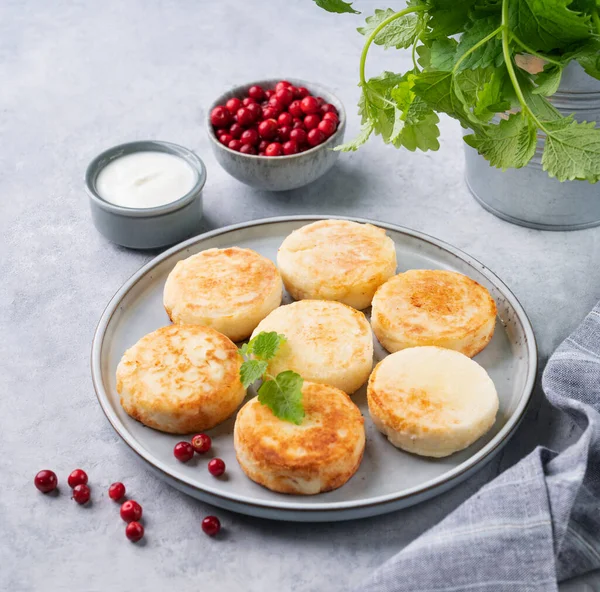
(528, 196)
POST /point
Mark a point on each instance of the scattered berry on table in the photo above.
(216, 467)
(134, 531)
(46, 481)
(77, 477)
(211, 525)
(81, 494)
(116, 491)
(131, 511)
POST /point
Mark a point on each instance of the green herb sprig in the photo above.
(478, 76)
(282, 394)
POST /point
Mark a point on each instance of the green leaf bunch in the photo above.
(468, 61)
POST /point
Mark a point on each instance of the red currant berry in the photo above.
(310, 105)
(282, 84)
(248, 101)
(331, 116)
(211, 525)
(131, 511)
(284, 133)
(298, 135)
(216, 467)
(315, 137)
(285, 119)
(233, 105)
(46, 481)
(295, 109)
(327, 127)
(267, 129)
(328, 108)
(290, 147)
(256, 111)
(226, 138)
(321, 101)
(269, 93)
(311, 121)
(298, 123)
(219, 116)
(116, 491)
(245, 117)
(134, 531)
(256, 92)
(301, 92)
(269, 113)
(276, 104)
(81, 494)
(250, 136)
(235, 145)
(248, 149)
(201, 443)
(236, 130)
(184, 451)
(262, 146)
(284, 96)
(77, 477)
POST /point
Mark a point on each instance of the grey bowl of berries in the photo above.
(276, 134)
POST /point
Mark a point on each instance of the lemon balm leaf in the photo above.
(251, 371)
(283, 396)
(337, 6)
(265, 345)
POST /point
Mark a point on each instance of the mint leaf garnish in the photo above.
(265, 345)
(400, 33)
(282, 394)
(336, 6)
(251, 371)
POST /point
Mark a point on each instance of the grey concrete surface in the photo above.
(78, 77)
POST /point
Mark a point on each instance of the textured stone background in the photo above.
(77, 77)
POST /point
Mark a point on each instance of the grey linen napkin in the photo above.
(539, 521)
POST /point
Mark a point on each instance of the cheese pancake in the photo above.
(230, 290)
(336, 260)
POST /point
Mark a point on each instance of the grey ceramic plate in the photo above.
(388, 479)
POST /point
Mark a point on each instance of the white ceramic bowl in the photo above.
(279, 173)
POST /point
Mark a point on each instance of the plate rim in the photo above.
(478, 459)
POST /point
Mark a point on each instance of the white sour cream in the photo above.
(145, 180)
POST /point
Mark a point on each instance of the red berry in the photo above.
(328, 108)
(256, 92)
(295, 109)
(233, 105)
(245, 117)
(310, 105)
(282, 84)
(248, 101)
(234, 145)
(184, 451)
(256, 111)
(116, 491)
(301, 92)
(290, 147)
(284, 96)
(298, 135)
(219, 116)
(226, 138)
(331, 116)
(134, 531)
(321, 101)
(327, 127)
(211, 525)
(267, 129)
(216, 467)
(77, 477)
(285, 119)
(46, 481)
(261, 153)
(276, 104)
(311, 121)
(315, 137)
(262, 146)
(248, 149)
(81, 494)
(298, 123)
(131, 511)
(250, 136)
(269, 113)
(284, 133)
(236, 130)
(201, 443)
(269, 93)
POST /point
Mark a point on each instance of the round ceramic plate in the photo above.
(388, 478)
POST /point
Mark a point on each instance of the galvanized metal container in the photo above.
(528, 196)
